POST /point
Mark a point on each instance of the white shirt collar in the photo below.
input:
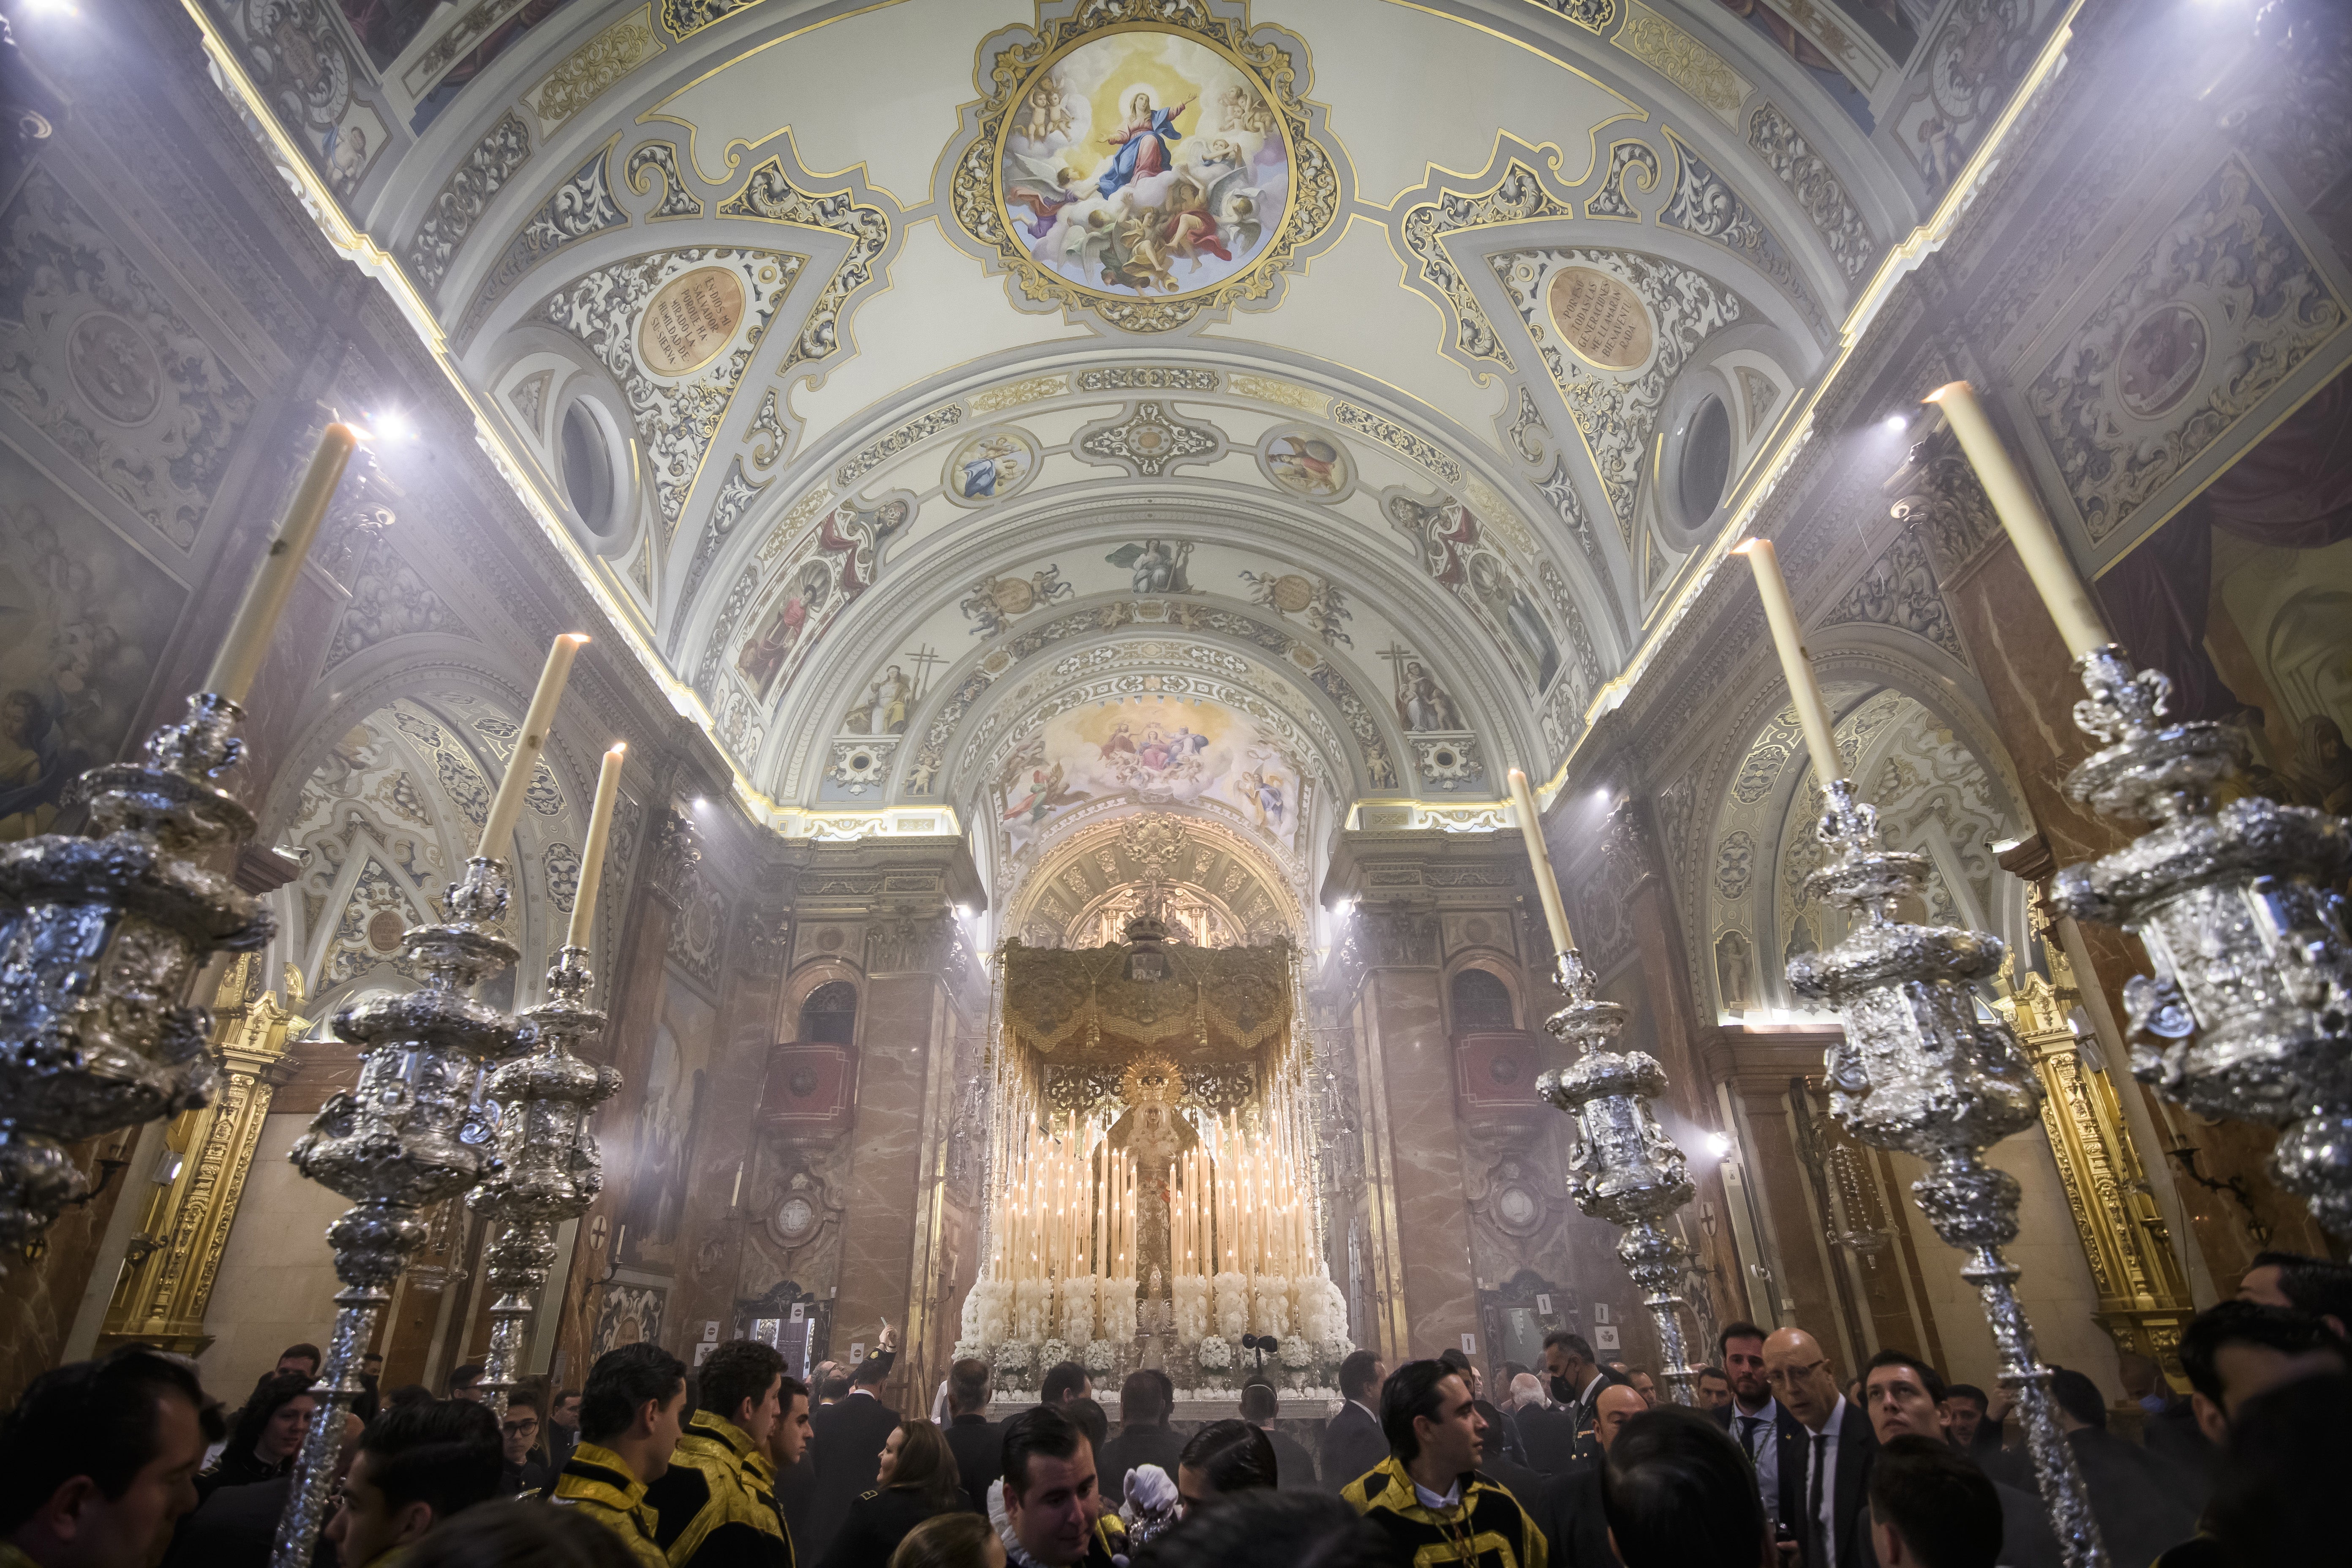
(1585, 1397)
(1771, 1411)
(1837, 1419)
(1450, 1498)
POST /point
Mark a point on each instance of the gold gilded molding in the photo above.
(996, 399)
(167, 1279)
(1684, 59)
(2144, 1299)
(584, 75)
(770, 194)
(1266, 389)
(684, 19)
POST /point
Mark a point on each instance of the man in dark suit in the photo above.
(1825, 1459)
(849, 1438)
(1547, 1432)
(977, 1443)
(1294, 1467)
(1576, 1380)
(1904, 1397)
(1352, 1440)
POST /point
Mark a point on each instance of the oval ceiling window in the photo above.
(587, 468)
(1706, 462)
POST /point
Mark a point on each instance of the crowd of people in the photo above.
(124, 1462)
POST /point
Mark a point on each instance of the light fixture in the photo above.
(963, 912)
(1897, 421)
(1717, 1146)
(390, 424)
(702, 802)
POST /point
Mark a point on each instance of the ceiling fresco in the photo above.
(1004, 412)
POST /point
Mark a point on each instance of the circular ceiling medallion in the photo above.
(115, 367)
(796, 1218)
(2161, 359)
(991, 466)
(1144, 163)
(1291, 594)
(693, 317)
(1306, 464)
(1600, 317)
(384, 930)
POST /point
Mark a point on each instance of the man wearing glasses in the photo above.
(1824, 1461)
(519, 1435)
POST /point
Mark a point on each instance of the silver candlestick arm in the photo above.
(1924, 1070)
(410, 1135)
(101, 938)
(549, 1171)
(1622, 1167)
(2249, 1013)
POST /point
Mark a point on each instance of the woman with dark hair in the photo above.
(1680, 1494)
(1224, 1457)
(917, 1480)
(265, 1436)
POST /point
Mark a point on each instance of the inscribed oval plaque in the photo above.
(691, 318)
(1600, 317)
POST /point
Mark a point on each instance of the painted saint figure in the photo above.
(1143, 144)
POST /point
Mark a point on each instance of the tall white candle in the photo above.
(247, 643)
(507, 807)
(591, 860)
(1796, 664)
(1539, 856)
(2062, 588)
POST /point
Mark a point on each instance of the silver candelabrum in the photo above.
(1622, 1167)
(101, 938)
(410, 1135)
(2249, 1013)
(548, 1170)
(1924, 1069)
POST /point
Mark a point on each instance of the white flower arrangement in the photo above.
(1270, 1306)
(1033, 1301)
(1077, 1304)
(1119, 1310)
(969, 1350)
(1297, 1355)
(1215, 1354)
(1233, 1304)
(1191, 1293)
(1322, 1309)
(1100, 1357)
(1050, 1354)
(1015, 1356)
(988, 1311)
(1330, 1352)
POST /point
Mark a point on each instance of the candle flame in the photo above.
(1938, 395)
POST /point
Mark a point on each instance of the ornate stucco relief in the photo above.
(494, 160)
(98, 358)
(676, 417)
(1616, 411)
(2214, 316)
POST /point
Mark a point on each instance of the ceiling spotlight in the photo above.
(963, 912)
(53, 7)
(1897, 421)
(1717, 1146)
(702, 802)
(391, 425)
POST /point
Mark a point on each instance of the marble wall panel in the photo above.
(1433, 1217)
(905, 1019)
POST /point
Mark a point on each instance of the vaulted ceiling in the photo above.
(1280, 415)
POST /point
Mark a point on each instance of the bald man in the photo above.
(1825, 1461)
(1617, 1403)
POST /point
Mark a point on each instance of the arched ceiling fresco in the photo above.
(1267, 412)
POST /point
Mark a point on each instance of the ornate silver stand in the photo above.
(549, 1171)
(409, 1136)
(1622, 1167)
(101, 938)
(1923, 1069)
(2247, 1013)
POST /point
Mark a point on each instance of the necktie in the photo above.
(1817, 1548)
(1747, 1425)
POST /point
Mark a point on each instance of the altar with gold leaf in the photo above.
(1152, 1192)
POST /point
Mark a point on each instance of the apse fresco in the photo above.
(1159, 752)
(1144, 163)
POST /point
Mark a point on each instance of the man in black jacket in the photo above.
(1294, 1467)
(1145, 1402)
(848, 1439)
(977, 1443)
(1352, 1440)
(1825, 1456)
(1905, 1399)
